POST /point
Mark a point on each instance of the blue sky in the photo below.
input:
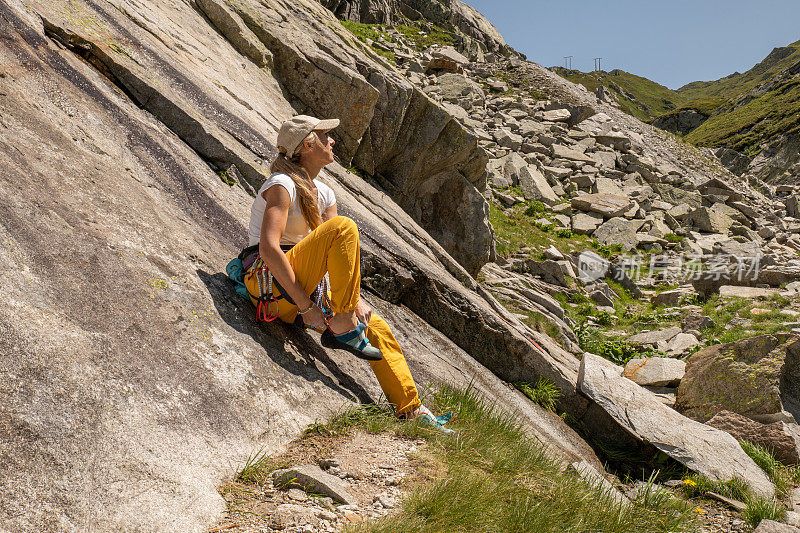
(669, 42)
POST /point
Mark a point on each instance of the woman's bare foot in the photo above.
(343, 322)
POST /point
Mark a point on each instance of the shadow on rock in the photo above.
(314, 362)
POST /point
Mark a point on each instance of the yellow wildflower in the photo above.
(689, 482)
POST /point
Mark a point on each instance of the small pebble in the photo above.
(344, 508)
(324, 514)
(298, 495)
(330, 462)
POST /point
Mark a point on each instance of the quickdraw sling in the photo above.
(251, 260)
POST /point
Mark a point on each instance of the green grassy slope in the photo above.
(731, 86)
(746, 127)
(637, 96)
(745, 109)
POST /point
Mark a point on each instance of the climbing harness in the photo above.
(249, 263)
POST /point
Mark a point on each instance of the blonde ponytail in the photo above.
(304, 185)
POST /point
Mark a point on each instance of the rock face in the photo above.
(755, 377)
(389, 128)
(132, 376)
(701, 448)
(450, 14)
(681, 122)
(365, 11)
(608, 205)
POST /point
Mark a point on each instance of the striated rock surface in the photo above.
(389, 128)
(133, 377)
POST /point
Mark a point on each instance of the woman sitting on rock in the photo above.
(295, 213)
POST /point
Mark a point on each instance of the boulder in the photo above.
(613, 139)
(681, 343)
(607, 186)
(670, 298)
(507, 139)
(313, 479)
(556, 115)
(534, 186)
(556, 173)
(560, 151)
(655, 371)
(677, 196)
(792, 204)
(696, 322)
(511, 165)
(604, 160)
(651, 339)
(746, 292)
(757, 377)
(601, 297)
(618, 231)
(133, 378)
(710, 220)
(454, 87)
(771, 526)
(449, 59)
(586, 223)
(584, 182)
(497, 86)
(701, 448)
(592, 267)
(608, 205)
(619, 273)
(680, 211)
(782, 438)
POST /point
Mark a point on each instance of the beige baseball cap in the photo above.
(297, 128)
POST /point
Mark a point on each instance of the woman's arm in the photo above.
(330, 213)
(272, 228)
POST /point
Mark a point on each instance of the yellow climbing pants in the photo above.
(334, 248)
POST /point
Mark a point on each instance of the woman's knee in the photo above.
(345, 224)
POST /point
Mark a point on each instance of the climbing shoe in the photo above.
(426, 417)
(354, 341)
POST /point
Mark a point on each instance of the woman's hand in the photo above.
(314, 318)
(363, 312)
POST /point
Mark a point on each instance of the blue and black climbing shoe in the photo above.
(354, 341)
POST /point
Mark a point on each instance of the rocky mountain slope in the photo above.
(750, 117)
(133, 376)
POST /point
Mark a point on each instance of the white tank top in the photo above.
(296, 226)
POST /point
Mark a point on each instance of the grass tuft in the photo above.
(759, 509)
(256, 468)
(498, 479)
(543, 392)
(784, 477)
